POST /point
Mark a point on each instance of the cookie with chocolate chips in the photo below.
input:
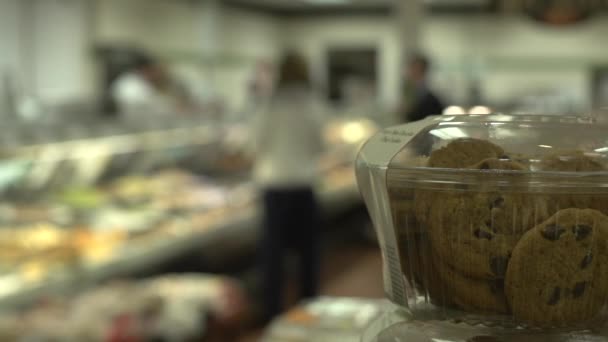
(425, 200)
(475, 233)
(557, 274)
(575, 161)
(420, 271)
(470, 294)
(464, 152)
(503, 163)
(570, 161)
(403, 212)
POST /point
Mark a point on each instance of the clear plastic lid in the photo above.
(556, 152)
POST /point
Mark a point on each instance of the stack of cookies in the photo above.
(500, 247)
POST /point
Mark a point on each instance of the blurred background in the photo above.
(135, 195)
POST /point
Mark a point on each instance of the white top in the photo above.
(288, 140)
(135, 96)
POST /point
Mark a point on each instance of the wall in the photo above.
(185, 26)
(47, 45)
(219, 44)
(59, 50)
(511, 55)
(11, 53)
(247, 37)
(514, 56)
(44, 50)
(152, 24)
(312, 37)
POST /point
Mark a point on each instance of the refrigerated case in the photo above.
(175, 307)
(74, 213)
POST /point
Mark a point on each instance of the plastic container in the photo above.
(495, 219)
(396, 324)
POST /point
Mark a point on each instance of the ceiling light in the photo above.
(457, 2)
(328, 2)
(454, 110)
(353, 132)
(480, 110)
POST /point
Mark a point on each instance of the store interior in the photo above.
(144, 220)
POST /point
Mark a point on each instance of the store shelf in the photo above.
(240, 222)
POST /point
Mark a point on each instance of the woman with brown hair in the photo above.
(287, 148)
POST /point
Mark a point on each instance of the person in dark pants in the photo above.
(421, 99)
(292, 223)
(288, 144)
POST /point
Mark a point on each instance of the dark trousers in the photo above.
(291, 223)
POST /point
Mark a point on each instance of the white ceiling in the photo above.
(358, 4)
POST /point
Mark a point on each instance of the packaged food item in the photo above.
(168, 308)
(494, 219)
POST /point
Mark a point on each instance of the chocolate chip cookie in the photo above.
(557, 274)
(475, 230)
(419, 269)
(404, 218)
(475, 233)
(462, 153)
(574, 161)
(503, 163)
(441, 285)
(470, 294)
(425, 199)
(570, 161)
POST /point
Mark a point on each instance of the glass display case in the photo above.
(74, 212)
(184, 307)
(77, 211)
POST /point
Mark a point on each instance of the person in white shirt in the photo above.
(288, 144)
(146, 90)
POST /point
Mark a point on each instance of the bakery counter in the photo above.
(134, 257)
(76, 213)
(174, 307)
(86, 257)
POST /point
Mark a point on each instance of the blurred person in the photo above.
(288, 144)
(421, 101)
(360, 97)
(259, 88)
(197, 93)
(147, 88)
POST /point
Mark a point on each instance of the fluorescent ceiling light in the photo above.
(353, 132)
(457, 2)
(454, 110)
(479, 110)
(328, 2)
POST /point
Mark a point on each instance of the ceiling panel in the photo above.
(350, 6)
